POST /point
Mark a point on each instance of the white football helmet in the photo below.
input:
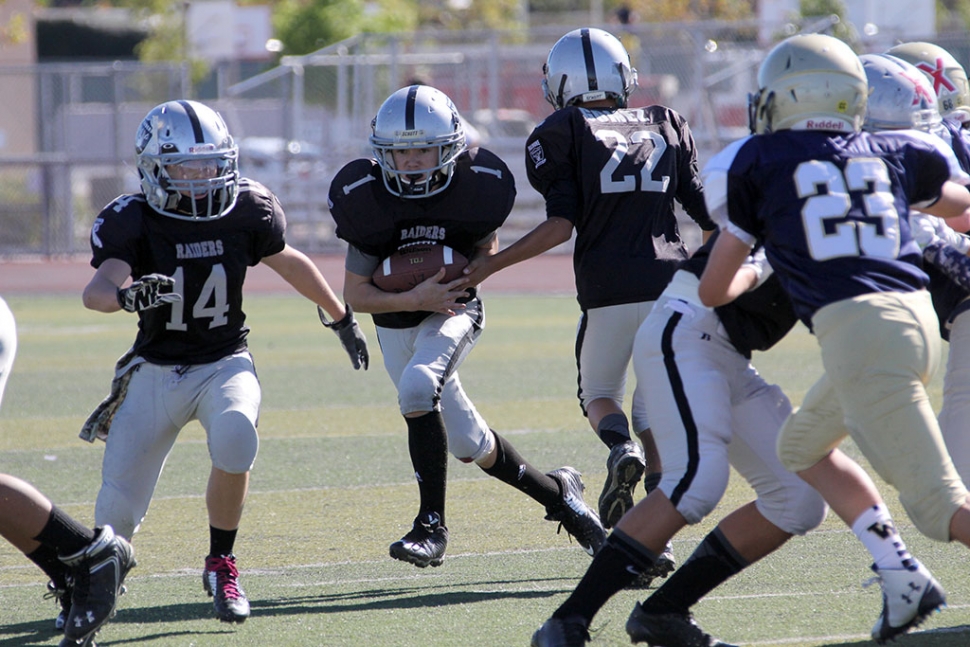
(900, 96)
(948, 77)
(417, 116)
(187, 161)
(587, 65)
(809, 82)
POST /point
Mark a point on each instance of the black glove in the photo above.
(146, 293)
(351, 338)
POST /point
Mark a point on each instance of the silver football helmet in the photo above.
(187, 161)
(417, 116)
(809, 82)
(900, 96)
(587, 65)
(948, 77)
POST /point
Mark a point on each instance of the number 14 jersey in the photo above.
(208, 260)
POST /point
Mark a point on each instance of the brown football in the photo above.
(413, 264)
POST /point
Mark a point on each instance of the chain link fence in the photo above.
(69, 150)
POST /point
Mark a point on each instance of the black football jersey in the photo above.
(208, 260)
(756, 320)
(369, 217)
(615, 174)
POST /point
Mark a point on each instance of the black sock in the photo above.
(511, 468)
(64, 533)
(613, 430)
(221, 541)
(46, 558)
(711, 563)
(428, 446)
(615, 566)
(651, 481)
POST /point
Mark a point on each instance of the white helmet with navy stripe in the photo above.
(588, 64)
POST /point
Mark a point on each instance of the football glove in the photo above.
(150, 291)
(350, 335)
(758, 262)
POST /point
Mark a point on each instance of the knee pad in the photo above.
(794, 507)
(233, 442)
(469, 448)
(418, 390)
(704, 493)
(932, 512)
(807, 437)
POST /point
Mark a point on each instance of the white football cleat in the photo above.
(909, 595)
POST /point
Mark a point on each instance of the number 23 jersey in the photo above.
(208, 260)
(832, 209)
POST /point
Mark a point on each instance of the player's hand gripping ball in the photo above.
(414, 264)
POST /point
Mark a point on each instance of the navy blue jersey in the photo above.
(208, 260)
(949, 299)
(473, 207)
(756, 320)
(615, 174)
(832, 210)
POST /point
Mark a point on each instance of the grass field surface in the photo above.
(333, 487)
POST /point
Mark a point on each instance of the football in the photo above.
(413, 264)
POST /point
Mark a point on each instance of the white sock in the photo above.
(877, 532)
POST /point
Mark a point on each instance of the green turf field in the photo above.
(332, 488)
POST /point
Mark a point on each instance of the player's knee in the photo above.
(418, 390)
(233, 443)
(797, 509)
(794, 450)
(933, 512)
(471, 448)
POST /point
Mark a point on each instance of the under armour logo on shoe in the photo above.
(78, 621)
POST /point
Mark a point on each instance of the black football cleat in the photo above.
(425, 544)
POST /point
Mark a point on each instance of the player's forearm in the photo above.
(548, 234)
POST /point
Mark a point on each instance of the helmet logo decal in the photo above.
(920, 91)
(938, 75)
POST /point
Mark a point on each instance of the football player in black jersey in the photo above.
(424, 186)
(87, 566)
(186, 241)
(613, 173)
(832, 205)
(710, 410)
